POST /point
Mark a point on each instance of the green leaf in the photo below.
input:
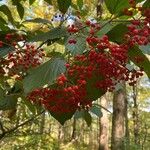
(5, 50)
(38, 20)
(20, 10)
(8, 102)
(31, 1)
(62, 118)
(105, 29)
(116, 6)
(87, 118)
(116, 34)
(94, 93)
(145, 64)
(44, 74)
(7, 12)
(77, 48)
(50, 35)
(63, 5)
(96, 110)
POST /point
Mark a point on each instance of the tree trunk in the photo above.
(104, 125)
(127, 133)
(135, 116)
(118, 119)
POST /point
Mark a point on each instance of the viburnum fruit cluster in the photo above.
(139, 30)
(20, 59)
(61, 99)
(100, 68)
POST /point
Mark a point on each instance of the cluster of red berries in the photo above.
(64, 98)
(101, 68)
(105, 60)
(20, 59)
(139, 32)
(104, 66)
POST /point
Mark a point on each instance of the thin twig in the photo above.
(42, 44)
(104, 108)
(4, 132)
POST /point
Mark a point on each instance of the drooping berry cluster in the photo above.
(139, 29)
(105, 60)
(21, 58)
(139, 32)
(63, 98)
(100, 68)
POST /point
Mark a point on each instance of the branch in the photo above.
(4, 132)
(103, 108)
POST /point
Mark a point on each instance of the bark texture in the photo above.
(118, 120)
(104, 125)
